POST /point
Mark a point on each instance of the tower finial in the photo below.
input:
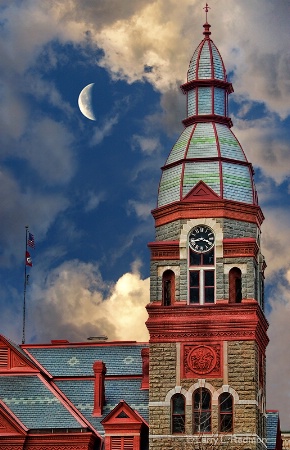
(206, 8)
(206, 26)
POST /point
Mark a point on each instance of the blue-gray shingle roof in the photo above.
(34, 404)
(79, 360)
(81, 394)
(272, 428)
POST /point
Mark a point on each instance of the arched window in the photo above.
(201, 411)
(235, 285)
(225, 413)
(178, 414)
(168, 288)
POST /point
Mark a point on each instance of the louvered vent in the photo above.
(3, 356)
(122, 443)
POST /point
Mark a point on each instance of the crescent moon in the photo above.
(85, 102)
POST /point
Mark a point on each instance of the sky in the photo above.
(86, 188)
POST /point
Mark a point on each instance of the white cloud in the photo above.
(266, 146)
(93, 200)
(147, 145)
(104, 130)
(75, 303)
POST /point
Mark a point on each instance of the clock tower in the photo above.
(206, 321)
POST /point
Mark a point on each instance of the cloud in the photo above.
(48, 146)
(93, 200)
(275, 237)
(23, 207)
(142, 210)
(147, 145)
(278, 392)
(75, 303)
(104, 130)
(266, 146)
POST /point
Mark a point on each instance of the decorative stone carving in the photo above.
(202, 359)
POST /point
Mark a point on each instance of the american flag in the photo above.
(30, 240)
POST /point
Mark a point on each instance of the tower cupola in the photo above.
(207, 150)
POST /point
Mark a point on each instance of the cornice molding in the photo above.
(207, 322)
(227, 209)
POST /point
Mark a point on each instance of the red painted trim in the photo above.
(14, 357)
(26, 347)
(199, 192)
(73, 408)
(214, 158)
(184, 159)
(99, 387)
(207, 118)
(12, 419)
(233, 248)
(207, 323)
(205, 83)
(210, 43)
(220, 161)
(198, 59)
(62, 399)
(208, 208)
(164, 250)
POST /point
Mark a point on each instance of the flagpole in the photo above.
(25, 283)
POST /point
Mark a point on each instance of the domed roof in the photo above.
(211, 153)
(207, 150)
(206, 62)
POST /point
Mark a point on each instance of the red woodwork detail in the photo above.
(207, 323)
(60, 441)
(202, 359)
(13, 361)
(145, 368)
(164, 250)
(123, 421)
(227, 209)
(207, 118)
(207, 83)
(201, 191)
(99, 387)
(240, 247)
(8, 425)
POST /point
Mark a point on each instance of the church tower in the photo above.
(206, 321)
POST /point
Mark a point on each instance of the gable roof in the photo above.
(78, 359)
(81, 394)
(33, 402)
(60, 388)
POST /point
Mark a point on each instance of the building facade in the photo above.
(200, 381)
(206, 322)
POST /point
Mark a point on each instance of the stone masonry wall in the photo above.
(243, 377)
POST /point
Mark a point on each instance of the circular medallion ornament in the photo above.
(202, 359)
(201, 239)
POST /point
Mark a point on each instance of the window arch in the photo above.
(178, 414)
(235, 285)
(201, 411)
(168, 288)
(226, 412)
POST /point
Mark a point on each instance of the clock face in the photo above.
(201, 239)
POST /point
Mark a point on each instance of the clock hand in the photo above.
(206, 240)
(195, 240)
